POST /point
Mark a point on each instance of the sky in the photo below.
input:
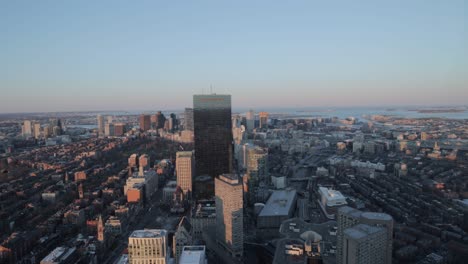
(151, 55)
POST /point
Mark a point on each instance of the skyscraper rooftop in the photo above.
(149, 233)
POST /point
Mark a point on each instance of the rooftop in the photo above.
(376, 216)
(58, 253)
(180, 154)
(192, 255)
(362, 230)
(350, 211)
(280, 253)
(229, 178)
(185, 223)
(464, 202)
(331, 194)
(206, 208)
(208, 101)
(123, 259)
(279, 203)
(149, 233)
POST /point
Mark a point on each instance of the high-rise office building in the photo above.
(256, 170)
(263, 117)
(250, 120)
(185, 166)
(257, 161)
(57, 127)
(154, 120)
(170, 124)
(145, 122)
(349, 217)
(364, 244)
(213, 135)
(119, 129)
(229, 213)
(27, 128)
(173, 122)
(148, 246)
(158, 120)
(37, 130)
(188, 119)
(109, 130)
(46, 131)
(100, 124)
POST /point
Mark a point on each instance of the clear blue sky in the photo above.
(103, 55)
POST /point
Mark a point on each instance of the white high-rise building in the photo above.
(185, 166)
(148, 246)
(37, 130)
(109, 130)
(27, 128)
(229, 213)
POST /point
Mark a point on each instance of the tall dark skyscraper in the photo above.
(213, 135)
(158, 120)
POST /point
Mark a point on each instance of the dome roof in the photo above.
(312, 236)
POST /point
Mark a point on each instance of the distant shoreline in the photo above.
(437, 111)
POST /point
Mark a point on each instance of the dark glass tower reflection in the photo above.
(213, 135)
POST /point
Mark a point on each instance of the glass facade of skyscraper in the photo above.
(213, 134)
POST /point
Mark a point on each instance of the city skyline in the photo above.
(234, 132)
(264, 54)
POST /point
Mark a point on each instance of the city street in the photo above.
(151, 217)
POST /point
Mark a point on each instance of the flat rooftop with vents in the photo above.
(279, 207)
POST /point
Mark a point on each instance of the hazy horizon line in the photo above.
(237, 109)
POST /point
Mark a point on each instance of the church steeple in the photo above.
(80, 191)
(436, 146)
(100, 229)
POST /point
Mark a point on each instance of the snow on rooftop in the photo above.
(58, 253)
(148, 233)
(55, 254)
